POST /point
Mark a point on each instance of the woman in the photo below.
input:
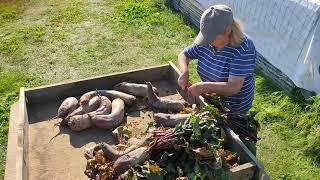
(226, 59)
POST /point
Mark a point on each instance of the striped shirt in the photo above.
(216, 66)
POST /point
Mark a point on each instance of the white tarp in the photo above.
(285, 32)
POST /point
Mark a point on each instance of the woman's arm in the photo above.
(183, 62)
(232, 87)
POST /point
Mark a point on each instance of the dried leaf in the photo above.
(154, 168)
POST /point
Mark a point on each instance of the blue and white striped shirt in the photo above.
(216, 66)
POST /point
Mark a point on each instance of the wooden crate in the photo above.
(29, 125)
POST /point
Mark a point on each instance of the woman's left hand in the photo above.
(196, 89)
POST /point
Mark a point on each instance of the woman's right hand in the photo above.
(183, 80)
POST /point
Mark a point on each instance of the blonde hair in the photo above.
(236, 35)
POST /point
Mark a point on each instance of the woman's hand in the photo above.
(183, 80)
(196, 89)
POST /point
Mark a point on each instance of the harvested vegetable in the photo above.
(169, 120)
(84, 99)
(93, 104)
(193, 149)
(105, 107)
(112, 94)
(164, 104)
(112, 120)
(125, 162)
(80, 122)
(67, 107)
(112, 153)
(134, 89)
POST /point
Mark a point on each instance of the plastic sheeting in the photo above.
(286, 33)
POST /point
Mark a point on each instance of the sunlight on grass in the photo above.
(67, 12)
(8, 12)
(15, 38)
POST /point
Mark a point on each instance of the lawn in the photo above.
(44, 42)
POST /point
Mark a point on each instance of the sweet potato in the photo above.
(113, 154)
(67, 107)
(113, 119)
(93, 104)
(109, 152)
(105, 107)
(125, 162)
(170, 120)
(84, 99)
(79, 122)
(112, 94)
(134, 89)
(164, 104)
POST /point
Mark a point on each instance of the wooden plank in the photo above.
(236, 145)
(22, 139)
(77, 88)
(12, 143)
(243, 171)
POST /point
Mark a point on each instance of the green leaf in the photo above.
(196, 136)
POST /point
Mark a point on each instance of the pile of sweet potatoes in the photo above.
(106, 108)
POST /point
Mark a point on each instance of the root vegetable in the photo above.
(134, 89)
(79, 122)
(164, 104)
(113, 119)
(84, 99)
(125, 162)
(93, 104)
(112, 94)
(165, 139)
(105, 107)
(170, 120)
(113, 154)
(67, 107)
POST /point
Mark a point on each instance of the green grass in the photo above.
(289, 148)
(8, 11)
(10, 82)
(54, 41)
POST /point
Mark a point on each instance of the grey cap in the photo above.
(213, 22)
